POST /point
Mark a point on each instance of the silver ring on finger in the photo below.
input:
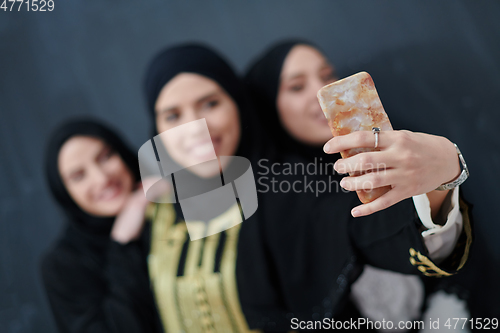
(376, 131)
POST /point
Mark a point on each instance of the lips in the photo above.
(320, 118)
(110, 192)
(201, 149)
(217, 144)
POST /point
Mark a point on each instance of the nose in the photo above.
(194, 127)
(190, 115)
(316, 85)
(197, 128)
(99, 177)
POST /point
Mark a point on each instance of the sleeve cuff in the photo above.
(440, 240)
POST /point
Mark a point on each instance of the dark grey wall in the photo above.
(436, 66)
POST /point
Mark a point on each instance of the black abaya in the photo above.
(93, 283)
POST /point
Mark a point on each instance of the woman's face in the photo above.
(188, 97)
(305, 71)
(95, 176)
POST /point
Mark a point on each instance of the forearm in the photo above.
(383, 239)
(436, 200)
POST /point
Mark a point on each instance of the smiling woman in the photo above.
(93, 175)
(189, 97)
(305, 70)
(284, 82)
(203, 284)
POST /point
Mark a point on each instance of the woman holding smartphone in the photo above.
(284, 81)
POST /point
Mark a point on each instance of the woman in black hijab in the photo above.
(221, 282)
(284, 82)
(263, 79)
(293, 258)
(95, 275)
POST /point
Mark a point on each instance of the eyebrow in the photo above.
(198, 101)
(165, 110)
(293, 76)
(207, 96)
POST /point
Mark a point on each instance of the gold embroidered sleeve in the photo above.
(458, 257)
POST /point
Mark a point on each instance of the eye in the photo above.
(170, 116)
(77, 176)
(210, 104)
(296, 87)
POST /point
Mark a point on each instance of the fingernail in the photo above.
(342, 183)
(326, 148)
(355, 212)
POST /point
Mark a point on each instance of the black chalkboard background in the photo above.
(436, 65)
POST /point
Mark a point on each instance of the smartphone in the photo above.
(352, 104)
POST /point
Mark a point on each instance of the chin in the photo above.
(114, 208)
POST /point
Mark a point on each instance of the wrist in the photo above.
(454, 165)
(463, 175)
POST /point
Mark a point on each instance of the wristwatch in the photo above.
(463, 175)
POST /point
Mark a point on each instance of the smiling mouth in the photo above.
(110, 192)
(202, 149)
(320, 118)
(217, 144)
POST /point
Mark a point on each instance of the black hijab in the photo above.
(263, 81)
(83, 127)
